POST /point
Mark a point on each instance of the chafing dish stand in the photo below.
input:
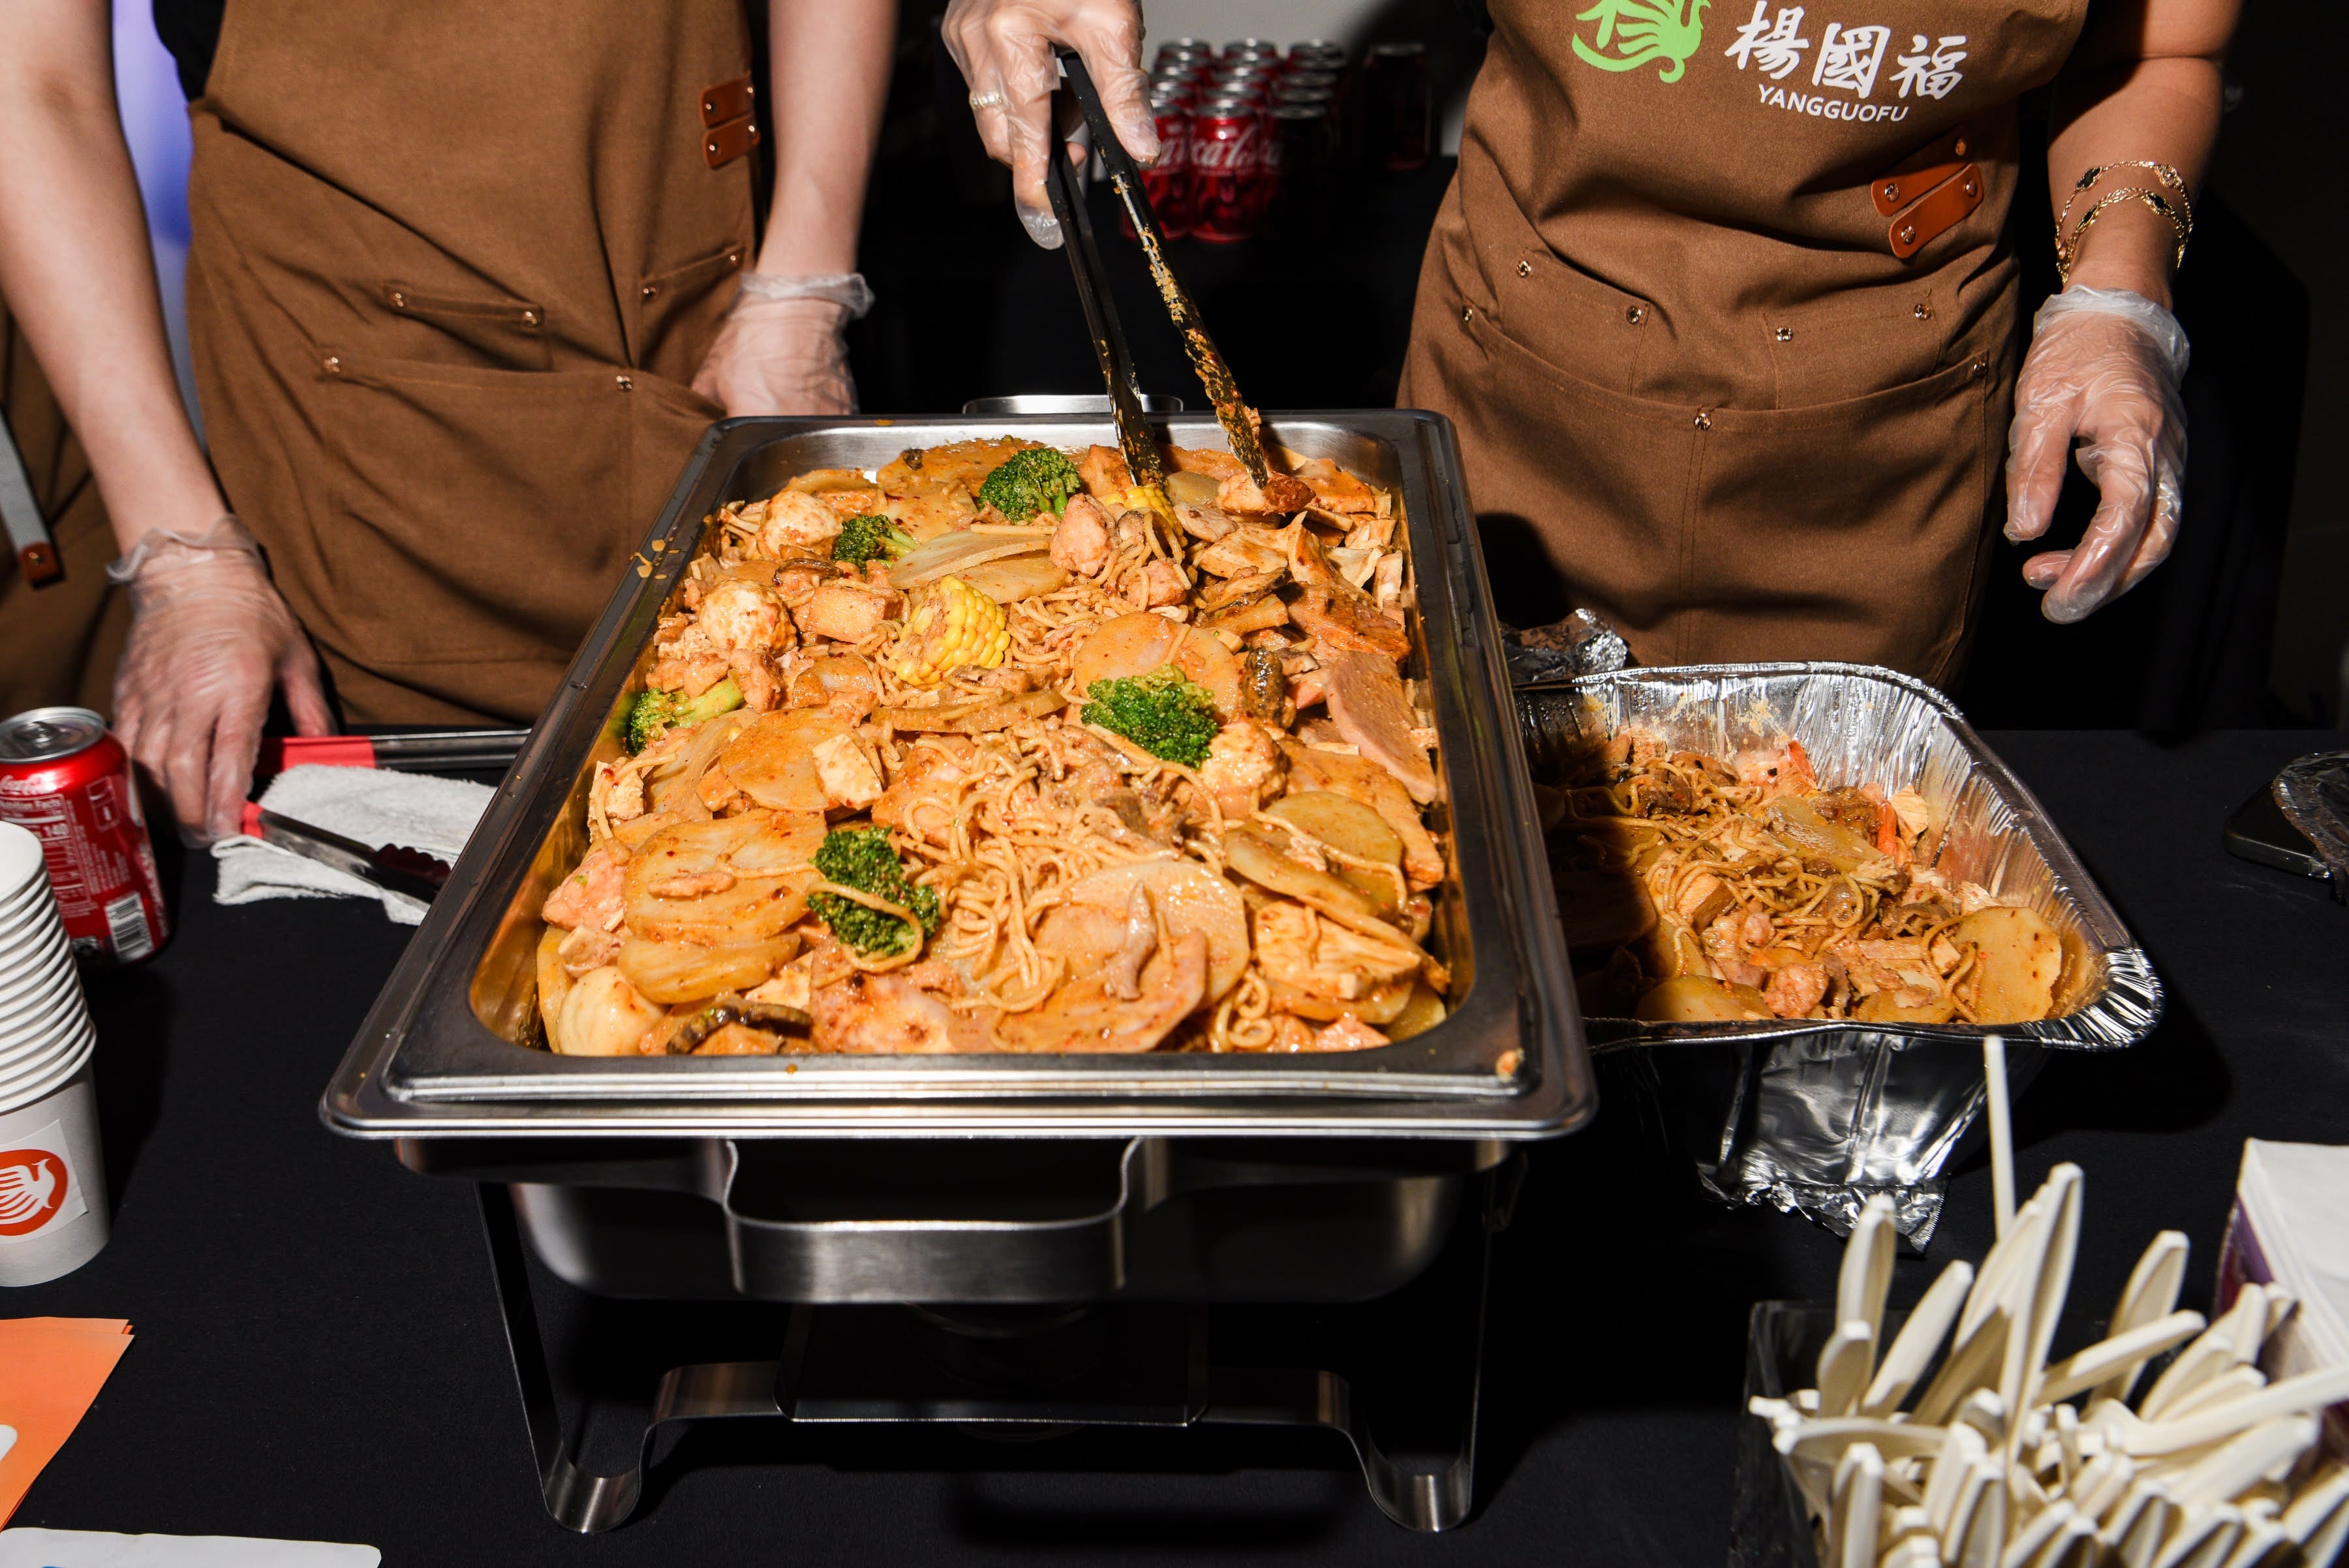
(1015, 1372)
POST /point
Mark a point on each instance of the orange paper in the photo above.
(50, 1370)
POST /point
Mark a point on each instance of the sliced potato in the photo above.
(1699, 999)
(1015, 577)
(1382, 1006)
(1421, 1012)
(1672, 950)
(554, 982)
(1348, 826)
(1184, 488)
(2021, 959)
(754, 867)
(1254, 854)
(1885, 1007)
(672, 972)
(1124, 647)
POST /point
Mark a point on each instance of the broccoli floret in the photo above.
(1040, 479)
(1161, 712)
(654, 711)
(870, 537)
(862, 858)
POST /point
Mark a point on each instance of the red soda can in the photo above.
(1250, 49)
(68, 783)
(1167, 183)
(1255, 85)
(1227, 171)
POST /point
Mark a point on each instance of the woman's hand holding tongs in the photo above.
(1005, 50)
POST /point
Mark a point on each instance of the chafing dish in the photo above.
(1125, 1183)
(1819, 1116)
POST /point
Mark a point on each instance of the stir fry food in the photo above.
(992, 751)
(1704, 890)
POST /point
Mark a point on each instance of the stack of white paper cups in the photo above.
(53, 1214)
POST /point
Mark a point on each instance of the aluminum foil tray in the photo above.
(1817, 1116)
(446, 1051)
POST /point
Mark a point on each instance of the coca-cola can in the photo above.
(65, 781)
(1298, 82)
(1249, 49)
(1252, 83)
(1397, 105)
(1167, 183)
(1227, 171)
(1317, 54)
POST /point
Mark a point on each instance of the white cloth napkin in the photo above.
(26, 1548)
(376, 808)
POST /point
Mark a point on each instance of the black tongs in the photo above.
(1134, 435)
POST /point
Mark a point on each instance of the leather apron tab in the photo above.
(1936, 213)
(726, 101)
(723, 144)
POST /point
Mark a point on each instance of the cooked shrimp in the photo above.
(591, 896)
(879, 1014)
(1081, 539)
(1243, 768)
(1159, 582)
(1795, 988)
(797, 525)
(841, 683)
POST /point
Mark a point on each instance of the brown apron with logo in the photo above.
(453, 268)
(1722, 305)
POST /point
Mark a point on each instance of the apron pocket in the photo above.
(1851, 344)
(676, 313)
(477, 515)
(1561, 314)
(493, 332)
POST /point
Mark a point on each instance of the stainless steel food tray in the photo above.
(437, 1055)
(1819, 1116)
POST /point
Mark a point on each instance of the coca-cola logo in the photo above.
(34, 1185)
(1227, 149)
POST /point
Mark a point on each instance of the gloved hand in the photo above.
(780, 350)
(209, 637)
(1005, 50)
(2104, 366)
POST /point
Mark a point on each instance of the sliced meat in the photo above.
(1335, 488)
(1366, 704)
(1349, 621)
(844, 613)
(1106, 477)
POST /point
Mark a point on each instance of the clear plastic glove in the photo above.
(781, 349)
(1005, 50)
(2104, 369)
(209, 637)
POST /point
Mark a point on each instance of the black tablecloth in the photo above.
(319, 1352)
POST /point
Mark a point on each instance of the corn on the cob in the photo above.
(950, 625)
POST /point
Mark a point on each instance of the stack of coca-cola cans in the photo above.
(1239, 126)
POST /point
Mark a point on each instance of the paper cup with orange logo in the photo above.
(53, 1216)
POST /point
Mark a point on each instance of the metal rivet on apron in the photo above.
(626, 384)
(1786, 335)
(1958, 148)
(1635, 314)
(530, 318)
(1978, 366)
(1525, 269)
(1922, 311)
(1907, 233)
(398, 300)
(1892, 189)
(733, 258)
(334, 365)
(1974, 186)
(1468, 313)
(650, 291)
(1704, 420)
(710, 148)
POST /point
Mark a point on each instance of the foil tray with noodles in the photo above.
(1817, 1114)
(456, 1040)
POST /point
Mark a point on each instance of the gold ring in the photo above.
(986, 100)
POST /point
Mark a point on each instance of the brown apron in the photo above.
(453, 267)
(59, 642)
(1722, 305)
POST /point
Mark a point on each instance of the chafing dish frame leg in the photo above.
(1428, 1499)
(578, 1501)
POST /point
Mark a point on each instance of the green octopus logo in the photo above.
(1638, 31)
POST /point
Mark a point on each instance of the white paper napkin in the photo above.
(436, 815)
(26, 1548)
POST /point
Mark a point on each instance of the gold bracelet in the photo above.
(2067, 252)
(2096, 171)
